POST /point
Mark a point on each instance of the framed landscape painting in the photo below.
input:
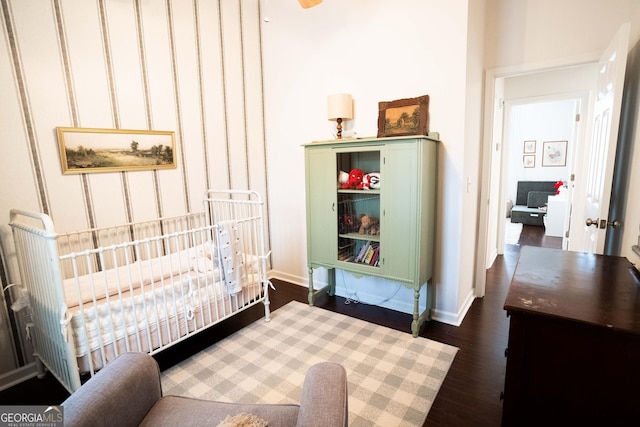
(87, 150)
(408, 116)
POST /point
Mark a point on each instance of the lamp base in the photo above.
(339, 129)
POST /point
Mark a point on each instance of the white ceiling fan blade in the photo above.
(309, 3)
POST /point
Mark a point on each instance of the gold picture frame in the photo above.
(90, 150)
(403, 117)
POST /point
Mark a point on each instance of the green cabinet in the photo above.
(385, 230)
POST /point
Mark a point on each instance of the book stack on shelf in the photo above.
(369, 254)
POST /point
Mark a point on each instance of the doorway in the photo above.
(562, 83)
(524, 84)
(539, 145)
(603, 80)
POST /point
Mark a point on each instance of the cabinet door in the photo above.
(321, 182)
(399, 201)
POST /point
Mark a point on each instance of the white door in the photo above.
(589, 228)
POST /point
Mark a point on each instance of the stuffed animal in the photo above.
(369, 225)
(370, 181)
(343, 178)
(355, 179)
(347, 224)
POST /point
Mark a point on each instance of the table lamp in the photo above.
(340, 107)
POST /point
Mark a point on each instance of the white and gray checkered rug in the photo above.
(393, 377)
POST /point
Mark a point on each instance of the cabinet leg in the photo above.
(332, 282)
(415, 325)
(420, 318)
(311, 286)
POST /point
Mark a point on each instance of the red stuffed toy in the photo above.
(355, 179)
(558, 185)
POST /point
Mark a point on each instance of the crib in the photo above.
(143, 286)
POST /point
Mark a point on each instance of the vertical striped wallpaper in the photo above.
(191, 66)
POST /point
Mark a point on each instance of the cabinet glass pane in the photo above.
(358, 211)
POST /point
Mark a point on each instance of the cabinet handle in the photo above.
(506, 352)
(333, 207)
(502, 395)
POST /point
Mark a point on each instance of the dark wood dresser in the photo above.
(573, 356)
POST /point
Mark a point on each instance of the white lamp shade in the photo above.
(340, 106)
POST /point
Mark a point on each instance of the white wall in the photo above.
(471, 237)
(375, 50)
(546, 31)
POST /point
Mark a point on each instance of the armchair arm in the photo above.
(324, 396)
(119, 394)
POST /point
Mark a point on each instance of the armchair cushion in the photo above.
(173, 411)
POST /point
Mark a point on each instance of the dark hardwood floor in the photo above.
(470, 394)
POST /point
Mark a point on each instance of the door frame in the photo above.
(493, 141)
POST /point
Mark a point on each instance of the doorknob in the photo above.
(591, 222)
(614, 223)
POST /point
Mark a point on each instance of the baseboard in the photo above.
(296, 280)
(491, 258)
(454, 319)
(17, 376)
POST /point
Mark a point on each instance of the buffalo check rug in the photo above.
(393, 378)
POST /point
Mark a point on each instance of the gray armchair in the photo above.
(127, 392)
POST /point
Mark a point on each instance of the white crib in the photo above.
(139, 286)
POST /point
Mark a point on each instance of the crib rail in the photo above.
(139, 286)
(79, 241)
(35, 240)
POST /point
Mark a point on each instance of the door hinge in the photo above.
(578, 117)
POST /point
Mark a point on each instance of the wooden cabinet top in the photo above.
(594, 289)
(371, 140)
